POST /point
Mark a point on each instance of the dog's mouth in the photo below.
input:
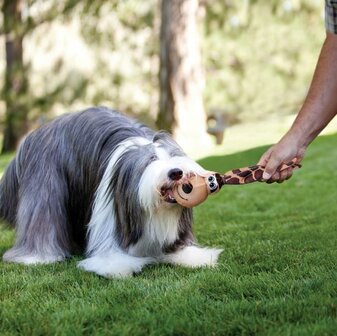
(166, 193)
(166, 190)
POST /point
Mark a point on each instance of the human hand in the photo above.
(287, 149)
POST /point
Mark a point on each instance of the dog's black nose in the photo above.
(175, 174)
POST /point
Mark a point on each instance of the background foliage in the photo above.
(258, 55)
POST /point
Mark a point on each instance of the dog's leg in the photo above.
(42, 228)
(115, 264)
(193, 256)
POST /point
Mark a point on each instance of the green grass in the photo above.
(277, 275)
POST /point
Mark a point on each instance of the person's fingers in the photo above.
(285, 174)
(265, 157)
(274, 178)
(283, 152)
(271, 167)
(290, 174)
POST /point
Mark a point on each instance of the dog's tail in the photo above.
(9, 186)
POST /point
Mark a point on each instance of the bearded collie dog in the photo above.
(99, 183)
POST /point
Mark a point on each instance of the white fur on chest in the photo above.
(161, 229)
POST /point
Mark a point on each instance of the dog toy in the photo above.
(197, 188)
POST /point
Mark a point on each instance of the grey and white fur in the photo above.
(99, 183)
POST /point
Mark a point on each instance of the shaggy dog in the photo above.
(100, 183)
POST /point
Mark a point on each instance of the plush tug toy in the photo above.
(197, 188)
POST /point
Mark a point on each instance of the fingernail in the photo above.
(266, 176)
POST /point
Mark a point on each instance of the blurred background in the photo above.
(221, 75)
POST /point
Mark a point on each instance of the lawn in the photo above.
(276, 276)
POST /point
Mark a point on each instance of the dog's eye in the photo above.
(211, 178)
(187, 188)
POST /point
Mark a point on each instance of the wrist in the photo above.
(306, 126)
(298, 137)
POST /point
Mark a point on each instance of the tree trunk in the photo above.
(181, 109)
(16, 84)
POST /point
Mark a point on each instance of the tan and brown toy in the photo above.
(197, 189)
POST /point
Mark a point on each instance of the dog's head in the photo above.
(141, 182)
(162, 176)
(169, 167)
(147, 172)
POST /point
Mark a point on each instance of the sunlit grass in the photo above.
(276, 276)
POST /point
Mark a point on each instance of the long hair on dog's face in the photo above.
(99, 182)
(138, 183)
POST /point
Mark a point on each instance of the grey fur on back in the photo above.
(49, 187)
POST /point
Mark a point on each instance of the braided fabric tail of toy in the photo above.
(251, 174)
(198, 188)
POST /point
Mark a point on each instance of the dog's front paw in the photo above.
(193, 256)
(21, 256)
(98, 266)
(116, 265)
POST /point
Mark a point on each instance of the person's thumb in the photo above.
(271, 166)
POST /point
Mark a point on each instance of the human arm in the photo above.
(319, 107)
